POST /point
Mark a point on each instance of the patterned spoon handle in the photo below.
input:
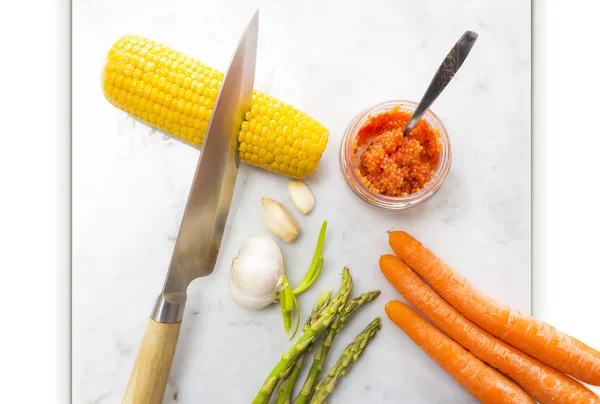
(444, 74)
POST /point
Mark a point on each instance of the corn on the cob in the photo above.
(176, 94)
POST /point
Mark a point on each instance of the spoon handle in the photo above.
(444, 74)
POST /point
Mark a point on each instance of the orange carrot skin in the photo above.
(534, 337)
(483, 382)
(542, 382)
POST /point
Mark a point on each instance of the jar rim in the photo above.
(392, 202)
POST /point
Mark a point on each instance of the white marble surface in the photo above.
(330, 60)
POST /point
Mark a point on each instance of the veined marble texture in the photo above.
(331, 60)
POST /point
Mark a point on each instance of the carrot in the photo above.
(542, 382)
(532, 336)
(483, 382)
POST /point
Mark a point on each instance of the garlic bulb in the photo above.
(256, 274)
(301, 196)
(279, 221)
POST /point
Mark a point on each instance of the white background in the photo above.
(35, 202)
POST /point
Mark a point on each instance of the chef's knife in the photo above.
(202, 226)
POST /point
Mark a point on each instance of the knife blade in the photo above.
(199, 238)
(197, 244)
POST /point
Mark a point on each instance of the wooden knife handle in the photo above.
(150, 374)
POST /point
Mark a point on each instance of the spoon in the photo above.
(444, 74)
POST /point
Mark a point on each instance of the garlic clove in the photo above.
(279, 220)
(301, 196)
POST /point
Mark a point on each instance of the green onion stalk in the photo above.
(287, 297)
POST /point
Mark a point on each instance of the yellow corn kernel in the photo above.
(176, 94)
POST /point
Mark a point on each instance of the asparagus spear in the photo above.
(323, 321)
(345, 362)
(317, 309)
(287, 384)
(319, 358)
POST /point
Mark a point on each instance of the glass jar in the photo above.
(349, 165)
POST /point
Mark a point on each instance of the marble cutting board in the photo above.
(330, 59)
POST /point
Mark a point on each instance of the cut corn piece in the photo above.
(176, 94)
